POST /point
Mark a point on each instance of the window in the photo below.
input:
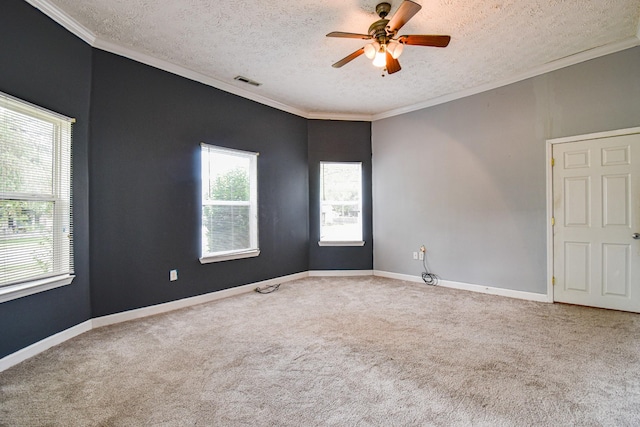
(340, 204)
(229, 204)
(35, 199)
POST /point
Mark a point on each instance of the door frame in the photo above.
(549, 168)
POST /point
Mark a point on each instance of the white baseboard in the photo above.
(188, 302)
(397, 276)
(530, 296)
(45, 344)
(339, 273)
(42, 345)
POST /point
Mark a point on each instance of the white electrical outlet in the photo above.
(421, 256)
(415, 255)
(173, 275)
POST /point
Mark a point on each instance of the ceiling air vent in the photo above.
(246, 80)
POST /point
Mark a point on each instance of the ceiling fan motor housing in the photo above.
(378, 30)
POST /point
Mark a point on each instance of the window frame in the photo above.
(61, 197)
(325, 242)
(254, 247)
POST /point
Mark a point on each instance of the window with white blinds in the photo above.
(340, 204)
(229, 204)
(36, 237)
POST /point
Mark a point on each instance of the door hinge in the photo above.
(553, 221)
(553, 162)
(553, 281)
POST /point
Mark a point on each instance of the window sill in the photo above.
(227, 256)
(341, 243)
(11, 292)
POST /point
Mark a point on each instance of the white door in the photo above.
(596, 246)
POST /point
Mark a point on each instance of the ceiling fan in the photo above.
(385, 47)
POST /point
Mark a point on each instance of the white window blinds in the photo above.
(229, 201)
(35, 193)
(340, 202)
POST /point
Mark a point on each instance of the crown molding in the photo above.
(219, 84)
(90, 38)
(340, 116)
(61, 17)
(546, 68)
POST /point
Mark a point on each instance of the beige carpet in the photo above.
(341, 352)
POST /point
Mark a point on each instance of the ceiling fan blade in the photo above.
(349, 35)
(393, 66)
(405, 12)
(424, 40)
(349, 58)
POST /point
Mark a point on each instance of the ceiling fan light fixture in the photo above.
(380, 59)
(371, 49)
(395, 49)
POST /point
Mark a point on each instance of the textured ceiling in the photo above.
(283, 45)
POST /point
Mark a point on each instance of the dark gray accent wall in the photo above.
(467, 178)
(147, 126)
(42, 63)
(339, 141)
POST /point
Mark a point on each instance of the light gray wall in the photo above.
(467, 178)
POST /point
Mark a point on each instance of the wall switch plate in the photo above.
(415, 255)
(173, 275)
